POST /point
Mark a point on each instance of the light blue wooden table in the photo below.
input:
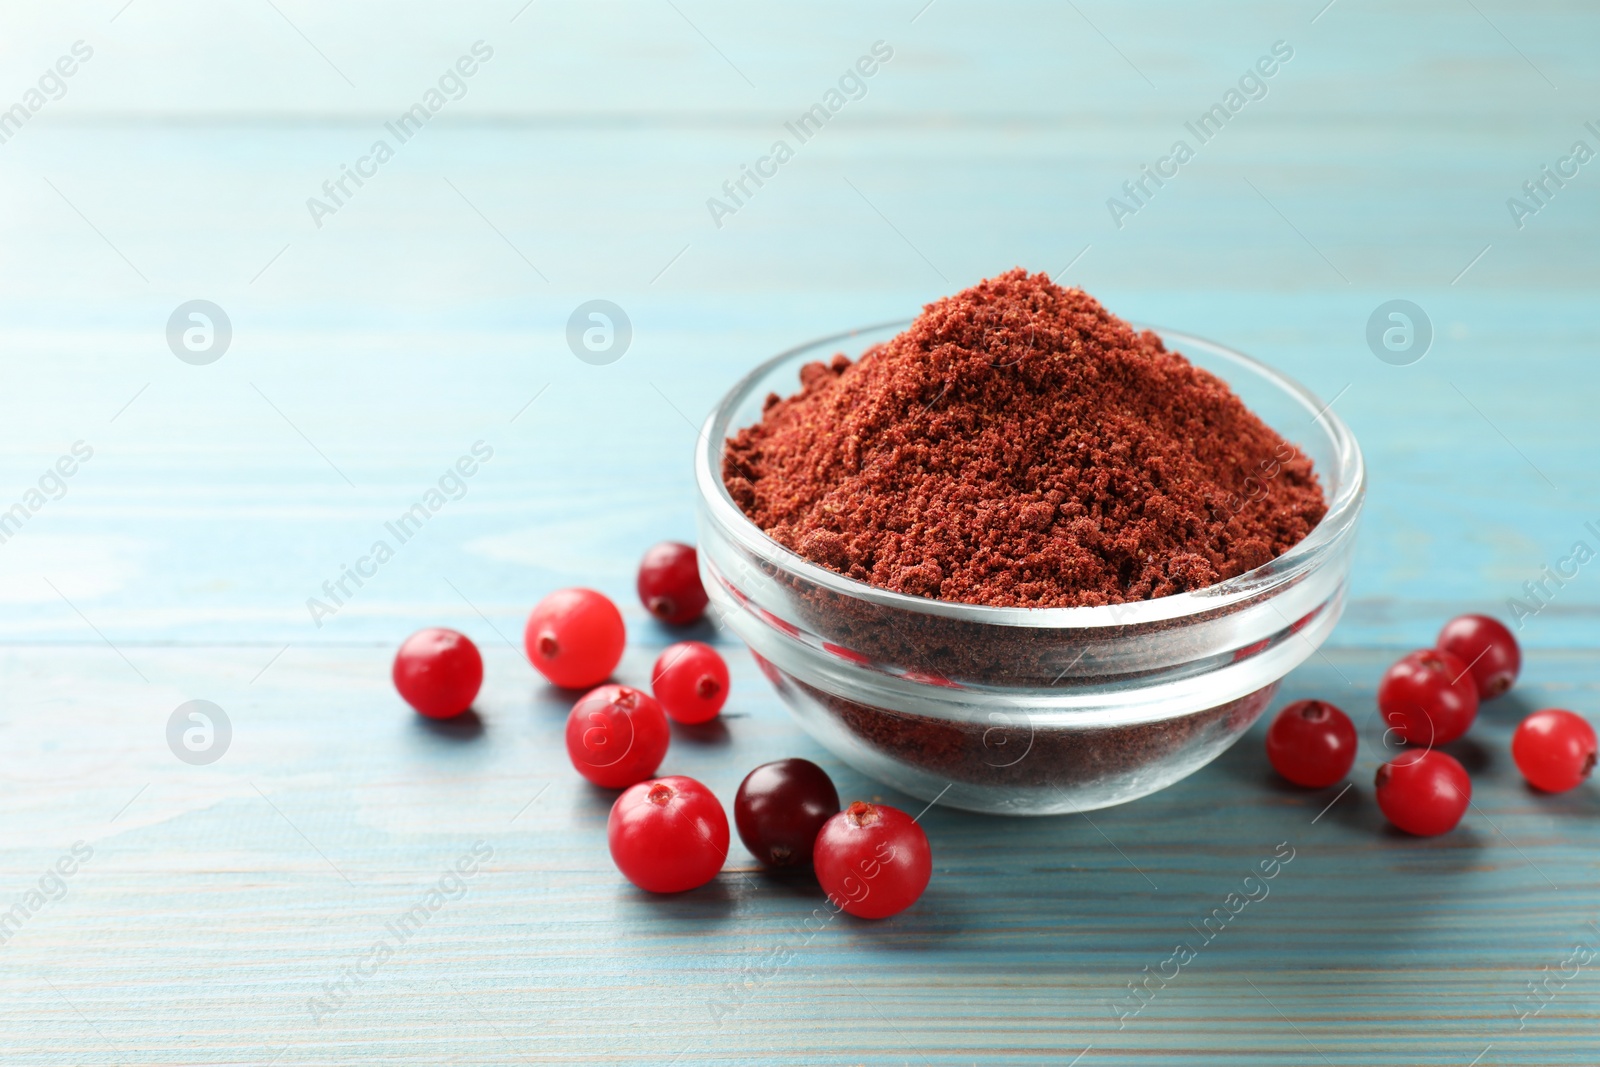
(211, 908)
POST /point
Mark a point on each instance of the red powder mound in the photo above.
(1019, 445)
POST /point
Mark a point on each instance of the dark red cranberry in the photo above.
(1488, 650)
(779, 809)
(1428, 697)
(438, 672)
(1312, 743)
(669, 583)
(1423, 792)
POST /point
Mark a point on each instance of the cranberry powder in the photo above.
(1018, 445)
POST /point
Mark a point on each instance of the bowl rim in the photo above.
(1335, 528)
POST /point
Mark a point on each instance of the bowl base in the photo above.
(1009, 766)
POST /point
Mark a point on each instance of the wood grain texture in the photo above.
(429, 313)
(220, 900)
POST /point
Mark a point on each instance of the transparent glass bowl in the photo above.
(1029, 711)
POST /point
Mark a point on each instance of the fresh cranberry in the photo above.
(1428, 697)
(691, 681)
(1554, 749)
(438, 672)
(872, 860)
(668, 835)
(781, 807)
(575, 638)
(616, 736)
(1312, 743)
(1488, 650)
(669, 583)
(1423, 792)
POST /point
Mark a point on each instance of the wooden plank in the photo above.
(220, 899)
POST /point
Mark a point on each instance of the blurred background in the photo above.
(374, 343)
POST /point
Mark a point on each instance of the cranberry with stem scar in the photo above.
(616, 736)
(1312, 743)
(1487, 648)
(872, 860)
(669, 583)
(691, 681)
(438, 672)
(668, 835)
(1554, 749)
(781, 807)
(1424, 792)
(1428, 697)
(575, 638)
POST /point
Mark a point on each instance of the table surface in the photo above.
(210, 906)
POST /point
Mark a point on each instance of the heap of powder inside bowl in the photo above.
(1020, 446)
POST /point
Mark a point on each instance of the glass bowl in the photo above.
(1029, 711)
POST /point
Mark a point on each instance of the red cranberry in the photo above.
(668, 835)
(1488, 650)
(575, 638)
(872, 860)
(691, 681)
(1312, 743)
(1428, 697)
(1554, 749)
(781, 807)
(616, 736)
(1424, 792)
(438, 672)
(669, 583)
